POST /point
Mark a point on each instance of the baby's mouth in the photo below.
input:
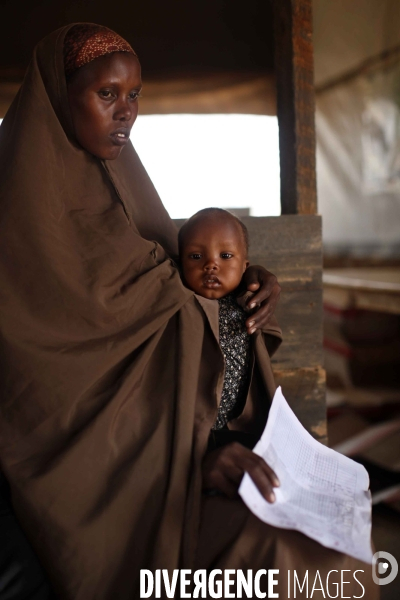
(211, 281)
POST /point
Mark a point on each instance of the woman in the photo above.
(108, 396)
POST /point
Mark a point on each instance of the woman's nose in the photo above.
(123, 112)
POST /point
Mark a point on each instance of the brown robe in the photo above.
(110, 370)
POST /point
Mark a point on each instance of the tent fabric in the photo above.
(358, 163)
(241, 93)
(348, 33)
(224, 92)
(357, 126)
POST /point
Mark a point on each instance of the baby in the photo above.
(213, 247)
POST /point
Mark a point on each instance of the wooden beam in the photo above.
(295, 105)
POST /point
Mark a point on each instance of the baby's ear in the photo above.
(246, 264)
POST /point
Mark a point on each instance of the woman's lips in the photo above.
(120, 137)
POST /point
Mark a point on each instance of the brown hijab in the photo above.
(106, 399)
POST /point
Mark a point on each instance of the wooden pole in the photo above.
(295, 105)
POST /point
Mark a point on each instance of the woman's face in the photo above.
(103, 99)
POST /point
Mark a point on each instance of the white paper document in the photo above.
(323, 494)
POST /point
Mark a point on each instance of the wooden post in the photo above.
(295, 105)
(298, 366)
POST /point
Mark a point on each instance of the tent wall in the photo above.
(358, 133)
(357, 69)
(346, 33)
(222, 93)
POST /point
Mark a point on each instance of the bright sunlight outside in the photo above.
(195, 161)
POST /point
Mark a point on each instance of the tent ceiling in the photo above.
(347, 33)
(182, 36)
(197, 39)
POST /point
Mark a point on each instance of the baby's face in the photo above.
(213, 257)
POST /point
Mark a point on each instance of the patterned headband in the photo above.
(85, 42)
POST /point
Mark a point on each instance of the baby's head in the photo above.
(213, 246)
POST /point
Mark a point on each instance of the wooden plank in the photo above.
(380, 302)
(363, 300)
(295, 104)
(300, 316)
(290, 247)
(369, 289)
(304, 389)
(373, 279)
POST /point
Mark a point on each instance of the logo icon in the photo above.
(381, 567)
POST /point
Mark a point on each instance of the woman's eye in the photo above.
(105, 94)
(195, 256)
(134, 95)
(226, 255)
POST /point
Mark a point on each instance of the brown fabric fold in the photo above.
(106, 397)
(110, 372)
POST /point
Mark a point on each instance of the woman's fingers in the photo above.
(262, 482)
(260, 463)
(261, 318)
(266, 281)
(262, 475)
(251, 277)
(266, 295)
(223, 470)
(267, 291)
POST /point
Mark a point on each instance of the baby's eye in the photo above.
(195, 255)
(226, 255)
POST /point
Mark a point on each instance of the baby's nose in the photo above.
(210, 265)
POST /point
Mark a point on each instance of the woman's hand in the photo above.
(224, 468)
(257, 278)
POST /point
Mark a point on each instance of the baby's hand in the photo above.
(259, 280)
